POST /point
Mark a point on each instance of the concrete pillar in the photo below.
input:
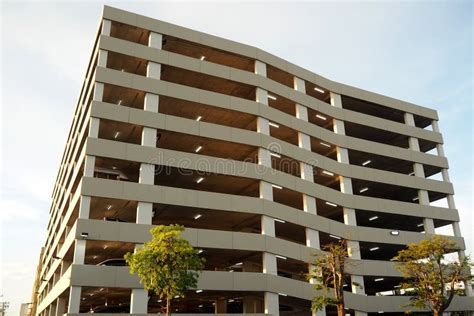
(336, 100)
(440, 150)
(155, 40)
(89, 166)
(271, 303)
(221, 306)
(151, 102)
(261, 96)
(302, 112)
(153, 70)
(413, 144)
(266, 192)
(304, 141)
(94, 125)
(79, 251)
(423, 197)
(84, 206)
(139, 301)
(346, 188)
(60, 306)
(268, 226)
(456, 229)
(147, 171)
(102, 58)
(312, 270)
(263, 126)
(98, 92)
(309, 204)
(306, 170)
(299, 85)
(147, 174)
(269, 263)
(418, 170)
(74, 300)
(461, 254)
(144, 213)
(149, 137)
(264, 157)
(106, 27)
(260, 68)
(312, 238)
(357, 284)
(52, 309)
(428, 225)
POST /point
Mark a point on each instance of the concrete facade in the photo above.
(262, 161)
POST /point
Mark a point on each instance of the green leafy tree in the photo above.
(167, 264)
(329, 277)
(430, 278)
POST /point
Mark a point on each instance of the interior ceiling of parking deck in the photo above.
(166, 214)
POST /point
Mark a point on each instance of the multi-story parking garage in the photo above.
(262, 161)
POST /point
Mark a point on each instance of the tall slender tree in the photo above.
(431, 279)
(328, 275)
(167, 264)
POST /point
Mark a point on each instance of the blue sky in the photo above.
(421, 52)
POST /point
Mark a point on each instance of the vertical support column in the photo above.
(106, 27)
(151, 104)
(139, 298)
(306, 170)
(60, 306)
(52, 309)
(74, 300)
(271, 304)
(102, 58)
(462, 254)
(353, 247)
(139, 301)
(79, 251)
(445, 175)
(84, 207)
(423, 197)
